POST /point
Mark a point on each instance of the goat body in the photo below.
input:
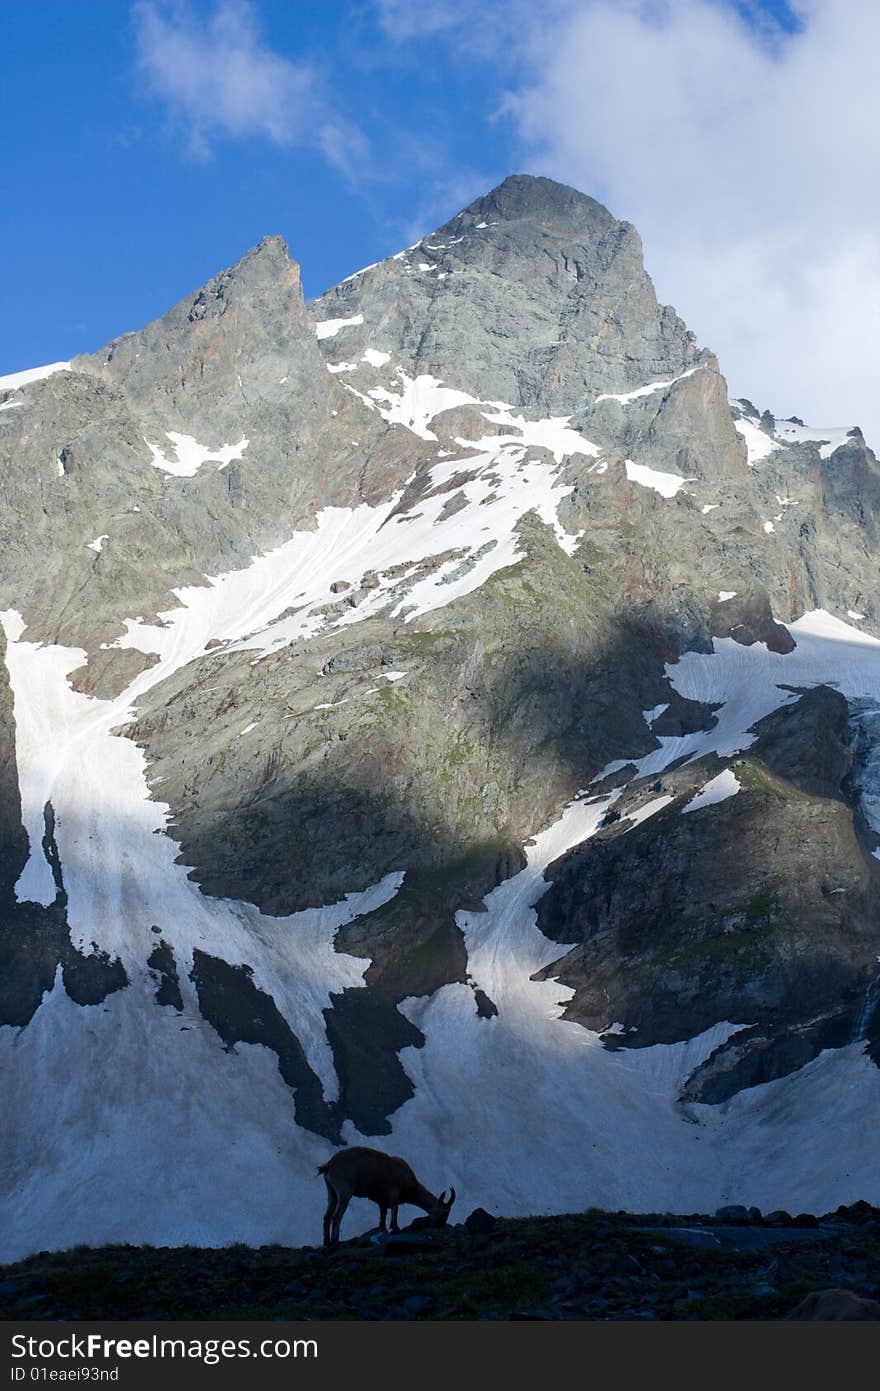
(387, 1180)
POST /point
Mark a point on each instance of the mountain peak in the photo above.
(532, 197)
(558, 308)
(269, 260)
(243, 336)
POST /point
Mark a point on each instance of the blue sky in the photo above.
(109, 216)
(153, 143)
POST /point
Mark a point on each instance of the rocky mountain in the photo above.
(435, 716)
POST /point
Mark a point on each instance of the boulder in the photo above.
(779, 1218)
(480, 1222)
(805, 1219)
(734, 1212)
(835, 1306)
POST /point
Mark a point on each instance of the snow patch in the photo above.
(189, 455)
(644, 813)
(758, 444)
(626, 397)
(328, 328)
(667, 484)
(649, 716)
(830, 438)
(716, 790)
(552, 434)
(13, 380)
(420, 399)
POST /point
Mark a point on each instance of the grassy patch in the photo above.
(754, 777)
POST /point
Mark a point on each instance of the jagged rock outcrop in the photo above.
(758, 909)
(245, 340)
(549, 308)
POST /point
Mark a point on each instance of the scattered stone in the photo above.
(805, 1219)
(486, 1008)
(836, 1306)
(858, 1212)
(734, 1212)
(480, 1222)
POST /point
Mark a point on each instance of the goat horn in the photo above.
(451, 1197)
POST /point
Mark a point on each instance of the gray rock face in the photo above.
(684, 428)
(35, 945)
(242, 350)
(687, 920)
(236, 361)
(594, 519)
(534, 295)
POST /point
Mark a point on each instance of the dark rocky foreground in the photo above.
(591, 1265)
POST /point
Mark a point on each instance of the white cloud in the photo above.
(402, 19)
(217, 77)
(745, 155)
(750, 170)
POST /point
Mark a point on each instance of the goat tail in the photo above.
(322, 1168)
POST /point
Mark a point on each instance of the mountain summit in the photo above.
(434, 713)
(534, 294)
